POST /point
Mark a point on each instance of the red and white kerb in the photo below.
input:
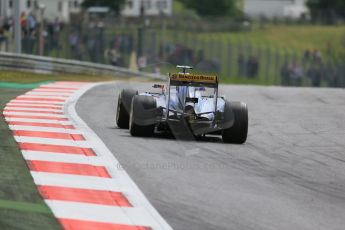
(77, 176)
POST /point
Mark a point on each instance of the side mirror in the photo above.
(158, 86)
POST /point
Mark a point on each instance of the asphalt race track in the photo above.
(289, 175)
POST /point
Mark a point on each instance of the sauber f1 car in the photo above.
(188, 106)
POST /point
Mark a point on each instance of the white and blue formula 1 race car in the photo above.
(188, 106)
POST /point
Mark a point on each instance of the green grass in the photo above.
(272, 45)
(180, 9)
(294, 38)
(25, 77)
(21, 206)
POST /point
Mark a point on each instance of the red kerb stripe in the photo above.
(32, 111)
(26, 98)
(49, 125)
(58, 88)
(57, 149)
(68, 168)
(70, 224)
(84, 195)
(15, 102)
(53, 91)
(14, 105)
(46, 95)
(66, 136)
(37, 117)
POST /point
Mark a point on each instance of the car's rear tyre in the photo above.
(237, 133)
(142, 116)
(123, 107)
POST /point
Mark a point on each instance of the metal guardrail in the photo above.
(32, 63)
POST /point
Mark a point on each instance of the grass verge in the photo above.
(21, 206)
(27, 78)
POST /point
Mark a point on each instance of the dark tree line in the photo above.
(114, 5)
(327, 10)
(212, 8)
(202, 7)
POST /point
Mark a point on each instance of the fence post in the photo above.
(277, 67)
(268, 64)
(229, 59)
(17, 27)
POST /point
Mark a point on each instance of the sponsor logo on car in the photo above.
(194, 78)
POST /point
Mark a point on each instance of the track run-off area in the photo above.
(290, 174)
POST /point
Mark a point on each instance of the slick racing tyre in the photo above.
(123, 107)
(237, 133)
(142, 116)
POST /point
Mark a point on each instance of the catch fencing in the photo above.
(158, 49)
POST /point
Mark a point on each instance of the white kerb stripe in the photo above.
(88, 182)
(34, 114)
(54, 90)
(38, 120)
(101, 213)
(64, 158)
(44, 129)
(60, 89)
(52, 141)
(48, 94)
(75, 181)
(58, 86)
(38, 102)
(44, 97)
(33, 109)
(30, 104)
(77, 83)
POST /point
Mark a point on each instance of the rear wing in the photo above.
(180, 79)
